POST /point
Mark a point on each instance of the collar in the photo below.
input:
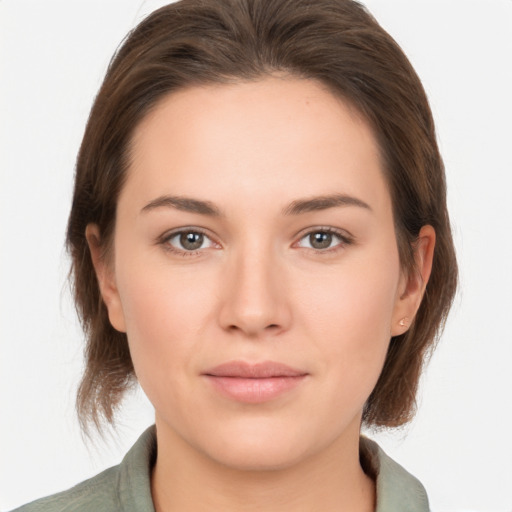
(397, 490)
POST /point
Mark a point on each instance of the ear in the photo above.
(412, 286)
(106, 278)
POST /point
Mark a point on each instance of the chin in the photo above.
(261, 444)
(258, 455)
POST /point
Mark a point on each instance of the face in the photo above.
(256, 270)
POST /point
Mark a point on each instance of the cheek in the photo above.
(349, 316)
(164, 316)
(358, 299)
(354, 347)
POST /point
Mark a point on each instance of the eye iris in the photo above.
(320, 240)
(191, 241)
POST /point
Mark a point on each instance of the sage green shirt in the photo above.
(126, 487)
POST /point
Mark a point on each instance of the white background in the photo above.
(53, 55)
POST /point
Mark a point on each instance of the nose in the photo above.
(255, 301)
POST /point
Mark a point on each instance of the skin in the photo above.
(256, 290)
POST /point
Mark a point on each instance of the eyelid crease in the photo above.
(177, 231)
(342, 233)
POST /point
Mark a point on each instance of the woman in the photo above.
(260, 238)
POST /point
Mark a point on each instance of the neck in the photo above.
(184, 479)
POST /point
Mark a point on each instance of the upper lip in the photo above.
(263, 370)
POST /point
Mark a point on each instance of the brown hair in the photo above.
(336, 42)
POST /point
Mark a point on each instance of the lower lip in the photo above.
(254, 391)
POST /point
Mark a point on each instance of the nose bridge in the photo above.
(255, 300)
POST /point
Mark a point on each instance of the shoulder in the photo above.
(97, 493)
(125, 487)
(397, 490)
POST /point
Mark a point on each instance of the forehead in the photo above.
(290, 134)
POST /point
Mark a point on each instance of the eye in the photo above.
(323, 239)
(188, 241)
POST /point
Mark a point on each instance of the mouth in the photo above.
(254, 383)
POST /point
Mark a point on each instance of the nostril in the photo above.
(270, 327)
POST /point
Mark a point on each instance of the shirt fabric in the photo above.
(127, 488)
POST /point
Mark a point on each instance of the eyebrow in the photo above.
(185, 204)
(323, 203)
(297, 207)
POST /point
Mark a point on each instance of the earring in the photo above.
(403, 322)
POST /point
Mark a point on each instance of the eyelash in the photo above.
(344, 240)
(166, 238)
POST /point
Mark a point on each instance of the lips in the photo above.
(254, 383)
